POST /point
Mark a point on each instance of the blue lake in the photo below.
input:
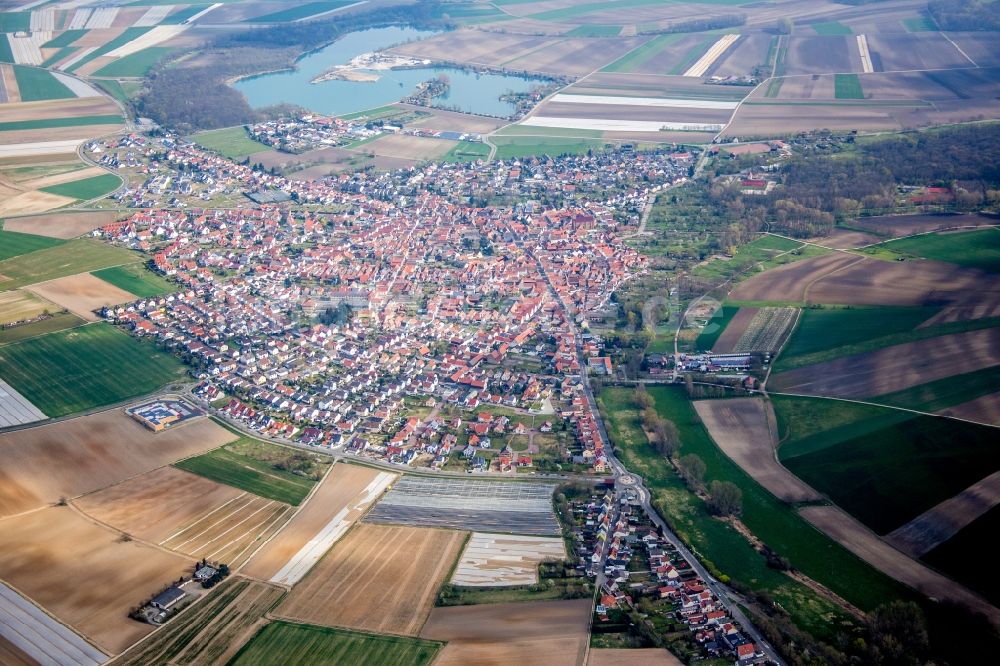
(470, 92)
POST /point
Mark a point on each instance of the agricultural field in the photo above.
(467, 151)
(57, 322)
(90, 366)
(91, 576)
(83, 295)
(851, 453)
(18, 304)
(135, 279)
(15, 409)
(77, 256)
(745, 430)
(511, 147)
(548, 632)
(310, 645)
(500, 559)
(135, 64)
(93, 452)
(341, 499)
(211, 632)
(497, 506)
(37, 85)
(894, 368)
(14, 244)
(301, 12)
(411, 147)
(634, 656)
(206, 520)
(30, 636)
(975, 249)
(713, 335)
(87, 188)
(395, 573)
(963, 556)
(893, 226)
(261, 468)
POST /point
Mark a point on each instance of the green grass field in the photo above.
(852, 453)
(5, 53)
(15, 21)
(14, 244)
(467, 151)
(250, 473)
(558, 132)
(88, 188)
(64, 52)
(136, 279)
(308, 645)
(638, 57)
(76, 256)
(135, 65)
(37, 85)
(975, 249)
(830, 327)
(46, 123)
(716, 325)
(64, 39)
(919, 24)
(118, 89)
(768, 251)
(831, 28)
(300, 12)
(718, 544)
(522, 146)
(594, 31)
(943, 393)
(59, 322)
(127, 36)
(374, 114)
(966, 555)
(232, 142)
(847, 86)
(86, 367)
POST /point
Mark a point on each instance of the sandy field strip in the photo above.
(409, 147)
(15, 409)
(157, 35)
(77, 57)
(79, 88)
(299, 564)
(503, 559)
(664, 116)
(726, 342)
(60, 225)
(60, 178)
(701, 66)
(940, 523)
(57, 108)
(744, 428)
(92, 452)
(894, 368)
(666, 102)
(864, 543)
(866, 57)
(79, 133)
(608, 125)
(11, 655)
(339, 500)
(985, 409)
(18, 304)
(213, 631)
(554, 633)
(83, 573)
(637, 657)
(32, 202)
(188, 514)
(46, 641)
(379, 578)
(12, 93)
(82, 294)
(153, 16)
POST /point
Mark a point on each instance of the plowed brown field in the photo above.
(82, 294)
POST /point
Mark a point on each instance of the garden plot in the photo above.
(500, 559)
(497, 506)
(767, 331)
(339, 501)
(380, 578)
(35, 633)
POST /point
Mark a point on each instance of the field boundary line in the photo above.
(959, 48)
(201, 518)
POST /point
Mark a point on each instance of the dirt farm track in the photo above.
(378, 578)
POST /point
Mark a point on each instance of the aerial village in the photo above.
(399, 321)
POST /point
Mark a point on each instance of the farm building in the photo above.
(168, 598)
